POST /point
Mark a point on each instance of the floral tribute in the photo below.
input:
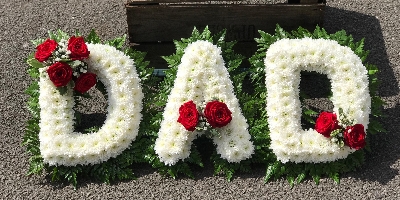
(67, 68)
(202, 96)
(59, 144)
(349, 81)
(337, 140)
(202, 77)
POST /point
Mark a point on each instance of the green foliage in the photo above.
(58, 35)
(296, 172)
(92, 38)
(117, 42)
(119, 168)
(224, 167)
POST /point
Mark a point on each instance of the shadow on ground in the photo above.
(384, 146)
(365, 26)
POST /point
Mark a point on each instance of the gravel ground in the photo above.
(24, 20)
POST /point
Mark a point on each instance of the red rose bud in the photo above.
(188, 116)
(217, 114)
(60, 73)
(84, 82)
(44, 50)
(78, 48)
(354, 136)
(326, 123)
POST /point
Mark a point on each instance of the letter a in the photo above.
(202, 77)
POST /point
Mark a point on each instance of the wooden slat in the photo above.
(308, 1)
(152, 23)
(153, 27)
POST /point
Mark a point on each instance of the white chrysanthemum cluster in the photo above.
(59, 144)
(284, 61)
(201, 77)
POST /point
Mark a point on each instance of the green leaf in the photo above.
(62, 90)
(33, 72)
(171, 173)
(229, 174)
(300, 177)
(77, 33)
(316, 178)
(117, 42)
(335, 177)
(78, 118)
(102, 88)
(35, 63)
(376, 127)
(290, 179)
(281, 33)
(58, 35)
(33, 89)
(92, 129)
(372, 69)
(269, 172)
(310, 112)
(52, 36)
(62, 35)
(37, 42)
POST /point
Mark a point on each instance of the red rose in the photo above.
(188, 115)
(326, 123)
(217, 114)
(60, 73)
(44, 50)
(84, 82)
(78, 48)
(354, 136)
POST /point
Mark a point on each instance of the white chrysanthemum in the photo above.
(60, 145)
(284, 61)
(202, 76)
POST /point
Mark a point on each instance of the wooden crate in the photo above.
(154, 24)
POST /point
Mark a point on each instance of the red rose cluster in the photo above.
(353, 136)
(216, 113)
(60, 72)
